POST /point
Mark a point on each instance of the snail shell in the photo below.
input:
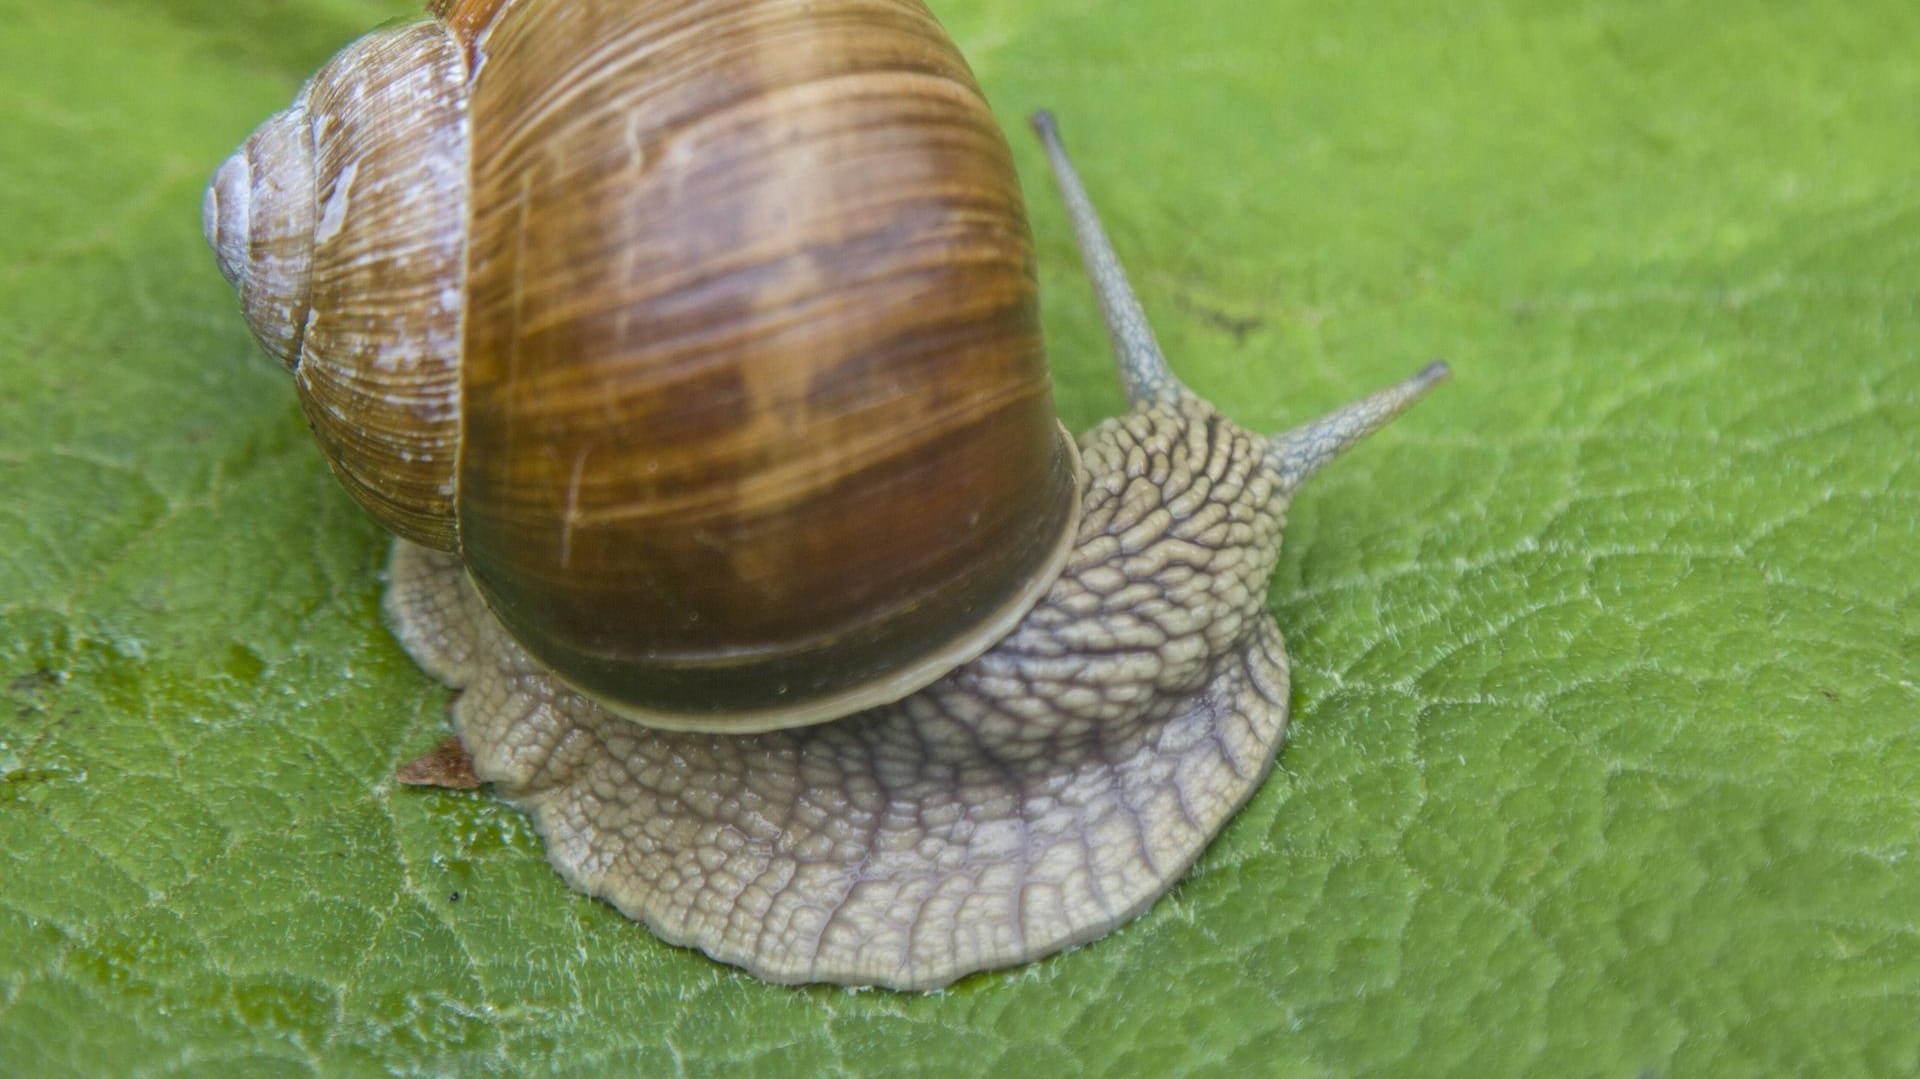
(705, 333)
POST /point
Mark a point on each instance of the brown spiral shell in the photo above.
(705, 331)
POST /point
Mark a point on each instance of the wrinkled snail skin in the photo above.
(1057, 773)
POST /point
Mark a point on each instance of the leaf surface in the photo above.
(1607, 658)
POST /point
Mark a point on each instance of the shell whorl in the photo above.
(342, 222)
(258, 216)
(224, 216)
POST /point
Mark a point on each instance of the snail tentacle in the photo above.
(1144, 372)
(1305, 450)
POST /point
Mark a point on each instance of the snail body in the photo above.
(691, 353)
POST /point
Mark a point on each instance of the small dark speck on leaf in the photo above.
(1238, 326)
(453, 897)
(30, 777)
(34, 681)
(445, 765)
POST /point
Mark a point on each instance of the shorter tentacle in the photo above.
(1297, 454)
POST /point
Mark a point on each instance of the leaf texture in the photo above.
(1607, 660)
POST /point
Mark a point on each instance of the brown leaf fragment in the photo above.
(445, 765)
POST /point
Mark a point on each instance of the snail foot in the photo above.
(884, 849)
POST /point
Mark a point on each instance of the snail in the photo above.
(691, 352)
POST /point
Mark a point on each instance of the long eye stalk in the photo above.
(1143, 368)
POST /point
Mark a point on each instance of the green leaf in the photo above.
(1608, 658)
